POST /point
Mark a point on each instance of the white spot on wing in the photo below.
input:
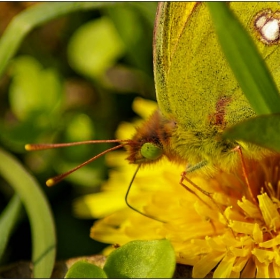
(267, 24)
(271, 30)
(260, 22)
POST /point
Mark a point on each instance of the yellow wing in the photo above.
(195, 86)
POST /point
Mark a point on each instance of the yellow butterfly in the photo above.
(197, 93)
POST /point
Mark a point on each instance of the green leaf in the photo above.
(138, 40)
(147, 9)
(35, 16)
(83, 124)
(262, 130)
(241, 53)
(8, 220)
(31, 82)
(95, 47)
(38, 211)
(83, 269)
(142, 259)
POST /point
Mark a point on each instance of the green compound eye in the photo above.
(150, 151)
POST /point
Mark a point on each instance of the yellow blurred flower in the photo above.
(220, 229)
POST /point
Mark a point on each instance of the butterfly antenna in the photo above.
(38, 147)
(133, 208)
(52, 181)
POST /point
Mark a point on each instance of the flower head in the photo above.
(213, 223)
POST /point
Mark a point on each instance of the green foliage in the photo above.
(33, 17)
(98, 42)
(62, 66)
(142, 259)
(262, 130)
(83, 269)
(136, 259)
(60, 81)
(8, 219)
(30, 81)
(38, 211)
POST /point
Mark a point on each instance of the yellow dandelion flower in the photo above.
(220, 229)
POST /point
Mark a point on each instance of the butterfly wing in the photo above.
(194, 83)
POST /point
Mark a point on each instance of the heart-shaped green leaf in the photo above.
(142, 259)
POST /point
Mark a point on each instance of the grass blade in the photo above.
(8, 220)
(38, 211)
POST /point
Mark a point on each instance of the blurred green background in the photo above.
(72, 79)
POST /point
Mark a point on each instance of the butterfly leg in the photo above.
(184, 177)
(245, 173)
(208, 194)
